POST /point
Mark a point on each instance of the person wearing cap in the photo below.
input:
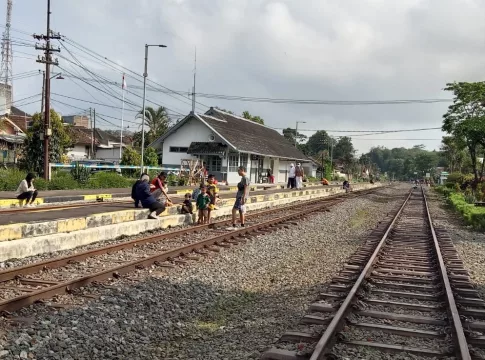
(143, 195)
(291, 177)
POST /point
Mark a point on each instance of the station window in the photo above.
(178, 149)
(244, 160)
(233, 162)
(215, 164)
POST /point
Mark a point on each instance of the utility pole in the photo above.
(193, 88)
(94, 133)
(145, 75)
(47, 60)
(43, 89)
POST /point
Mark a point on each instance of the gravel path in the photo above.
(469, 243)
(232, 305)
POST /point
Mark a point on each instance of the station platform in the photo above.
(8, 198)
(45, 231)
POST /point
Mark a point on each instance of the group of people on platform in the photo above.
(295, 177)
(154, 196)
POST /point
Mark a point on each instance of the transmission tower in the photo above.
(6, 66)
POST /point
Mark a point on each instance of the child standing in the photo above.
(202, 204)
(187, 205)
(213, 192)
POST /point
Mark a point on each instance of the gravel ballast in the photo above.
(469, 243)
(231, 305)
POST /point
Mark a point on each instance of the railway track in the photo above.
(129, 203)
(23, 286)
(403, 295)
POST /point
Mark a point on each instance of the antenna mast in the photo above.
(6, 67)
(193, 88)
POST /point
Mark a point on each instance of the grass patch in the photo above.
(473, 215)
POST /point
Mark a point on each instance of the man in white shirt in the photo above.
(291, 177)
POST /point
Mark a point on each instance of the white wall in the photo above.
(78, 152)
(108, 154)
(284, 165)
(193, 130)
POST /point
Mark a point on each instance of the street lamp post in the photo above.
(145, 74)
(296, 130)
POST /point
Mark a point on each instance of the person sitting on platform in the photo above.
(148, 201)
(159, 189)
(26, 191)
(187, 207)
(133, 192)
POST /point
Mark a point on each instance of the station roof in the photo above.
(243, 135)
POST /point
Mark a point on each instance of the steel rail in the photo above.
(323, 345)
(66, 287)
(457, 325)
(12, 273)
(21, 301)
(111, 201)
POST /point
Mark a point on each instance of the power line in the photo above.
(85, 80)
(402, 139)
(105, 60)
(363, 131)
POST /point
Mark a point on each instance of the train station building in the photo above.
(224, 141)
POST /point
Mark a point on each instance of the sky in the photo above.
(347, 50)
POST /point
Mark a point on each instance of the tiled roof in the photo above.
(19, 118)
(83, 135)
(206, 148)
(248, 136)
(17, 112)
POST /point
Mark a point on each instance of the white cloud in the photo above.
(346, 50)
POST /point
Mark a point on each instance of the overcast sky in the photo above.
(306, 49)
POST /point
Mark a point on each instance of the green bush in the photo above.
(80, 173)
(63, 180)
(454, 178)
(105, 180)
(10, 179)
(473, 215)
(61, 183)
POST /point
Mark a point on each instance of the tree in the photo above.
(318, 142)
(465, 119)
(426, 162)
(59, 142)
(157, 122)
(130, 157)
(343, 148)
(150, 157)
(248, 116)
(453, 149)
(289, 133)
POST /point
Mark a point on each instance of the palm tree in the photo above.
(157, 122)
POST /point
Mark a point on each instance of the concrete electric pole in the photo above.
(48, 61)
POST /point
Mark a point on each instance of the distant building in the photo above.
(5, 99)
(77, 120)
(224, 142)
(12, 139)
(20, 118)
(107, 146)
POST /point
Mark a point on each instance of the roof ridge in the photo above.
(212, 117)
(240, 118)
